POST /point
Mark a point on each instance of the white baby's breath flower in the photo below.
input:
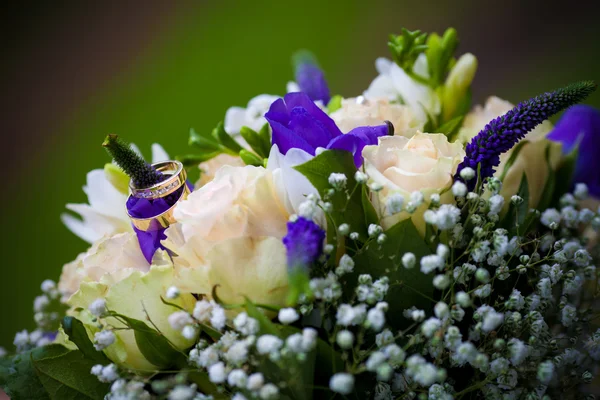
(288, 315)
(342, 383)
(98, 307)
(103, 339)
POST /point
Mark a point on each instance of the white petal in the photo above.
(383, 65)
(158, 153)
(292, 87)
(103, 196)
(79, 228)
(235, 118)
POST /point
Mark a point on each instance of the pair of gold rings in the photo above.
(175, 179)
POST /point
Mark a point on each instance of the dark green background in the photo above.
(73, 73)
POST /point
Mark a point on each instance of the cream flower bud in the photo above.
(458, 83)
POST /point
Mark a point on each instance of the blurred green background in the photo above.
(148, 71)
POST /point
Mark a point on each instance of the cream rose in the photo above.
(113, 258)
(209, 168)
(531, 158)
(115, 270)
(229, 234)
(424, 163)
(369, 112)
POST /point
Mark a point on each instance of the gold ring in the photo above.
(175, 180)
(176, 177)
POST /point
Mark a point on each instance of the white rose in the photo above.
(425, 163)
(229, 233)
(253, 116)
(370, 112)
(531, 158)
(111, 258)
(394, 83)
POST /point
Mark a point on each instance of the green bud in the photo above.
(457, 86)
(250, 158)
(117, 178)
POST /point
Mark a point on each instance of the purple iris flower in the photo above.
(303, 242)
(147, 208)
(311, 81)
(297, 122)
(580, 125)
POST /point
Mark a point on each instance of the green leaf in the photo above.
(66, 376)
(513, 156)
(564, 175)
(192, 160)
(450, 128)
(347, 206)
(266, 326)
(250, 158)
(19, 379)
(334, 104)
(204, 142)
(225, 139)
(265, 135)
(548, 191)
(256, 141)
(78, 334)
(370, 213)
(515, 218)
(153, 345)
(200, 378)
(408, 287)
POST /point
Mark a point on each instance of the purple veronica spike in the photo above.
(311, 81)
(297, 122)
(303, 242)
(580, 125)
(502, 133)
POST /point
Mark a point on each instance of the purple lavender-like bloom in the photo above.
(502, 133)
(303, 242)
(297, 122)
(580, 126)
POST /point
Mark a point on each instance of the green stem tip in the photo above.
(141, 173)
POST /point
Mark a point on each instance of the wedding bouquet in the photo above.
(396, 245)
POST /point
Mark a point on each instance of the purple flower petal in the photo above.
(355, 140)
(293, 100)
(303, 242)
(311, 81)
(286, 139)
(581, 125)
(309, 128)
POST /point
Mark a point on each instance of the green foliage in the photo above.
(515, 218)
(564, 174)
(334, 104)
(406, 47)
(210, 145)
(347, 205)
(451, 128)
(440, 55)
(153, 345)
(77, 333)
(51, 372)
(259, 143)
(408, 287)
(513, 156)
(249, 158)
(548, 190)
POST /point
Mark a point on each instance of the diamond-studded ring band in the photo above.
(176, 178)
